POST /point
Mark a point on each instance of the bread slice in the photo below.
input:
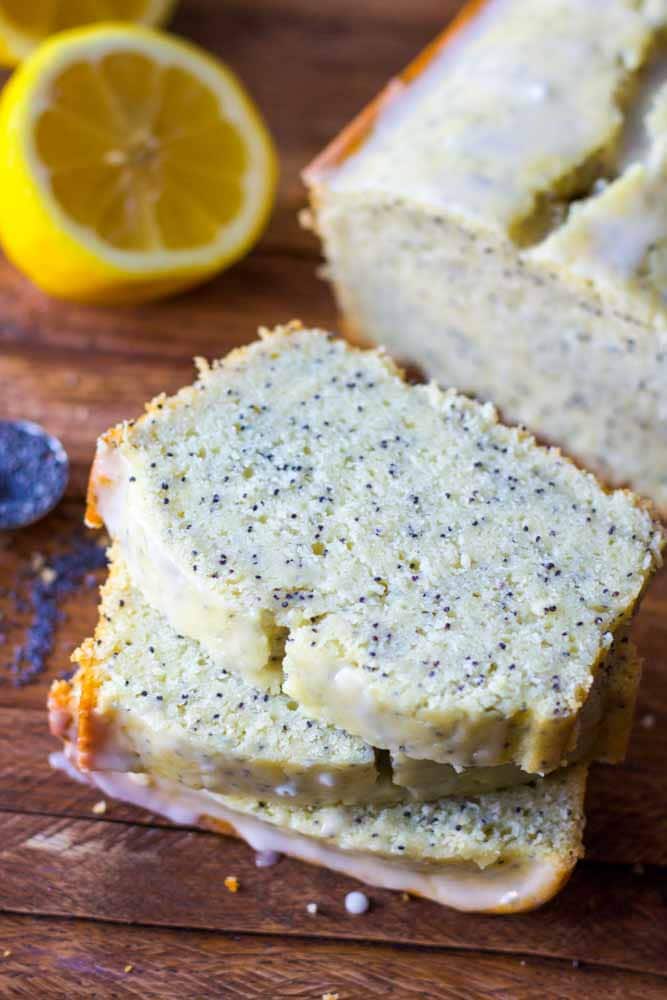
(502, 852)
(604, 733)
(399, 563)
(148, 700)
(497, 216)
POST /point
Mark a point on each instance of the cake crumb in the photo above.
(405, 896)
(100, 808)
(232, 883)
(128, 967)
(330, 996)
(7, 953)
(312, 908)
(648, 721)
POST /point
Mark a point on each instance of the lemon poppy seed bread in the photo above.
(497, 216)
(390, 556)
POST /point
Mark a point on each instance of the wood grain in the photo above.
(176, 877)
(89, 959)
(85, 895)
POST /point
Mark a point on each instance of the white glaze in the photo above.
(357, 903)
(463, 886)
(266, 859)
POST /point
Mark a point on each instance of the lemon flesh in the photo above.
(26, 23)
(132, 165)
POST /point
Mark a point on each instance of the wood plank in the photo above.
(80, 959)
(128, 873)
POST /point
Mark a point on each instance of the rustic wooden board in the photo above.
(90, 958)
(83, 896)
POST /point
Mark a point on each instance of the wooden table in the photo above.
(124, 904)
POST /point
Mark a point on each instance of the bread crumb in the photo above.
(405, 896)
(330, 996)
(312, 909)
(7, 953)
(648, 721)
(232, 883)
(100, 808)
(48, 575)
(128, 968)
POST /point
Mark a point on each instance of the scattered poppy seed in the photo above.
(38, 596)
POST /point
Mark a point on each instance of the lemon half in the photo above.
(26, 23)
(132, 164)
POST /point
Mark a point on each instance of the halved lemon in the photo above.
(26, 23)
(132, 165)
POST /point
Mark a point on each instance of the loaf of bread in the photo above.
(499, 216)
(393, 559)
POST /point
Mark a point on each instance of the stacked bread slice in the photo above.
(360, 622)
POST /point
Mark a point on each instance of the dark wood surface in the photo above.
(126, 905)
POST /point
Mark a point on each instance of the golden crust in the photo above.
(60, 708)
(72, 704)
(92, 517)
